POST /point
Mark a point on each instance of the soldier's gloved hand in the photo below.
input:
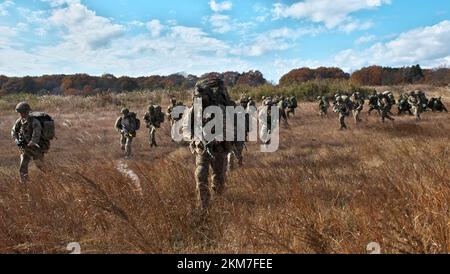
(33, 144)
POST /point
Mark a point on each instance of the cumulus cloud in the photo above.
(274, 40)
(332, 13)
(155, 27)
(429, 46)
(219, 7)
(4, 6)
(83, 27)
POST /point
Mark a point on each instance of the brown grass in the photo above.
(325, 191)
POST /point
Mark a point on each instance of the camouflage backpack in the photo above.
(47, 124)
(159, 115)
(212, 92)
(131, 123)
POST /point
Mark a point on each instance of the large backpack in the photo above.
(131, 123)
(213, 93)
(293, 102)
(47, 124)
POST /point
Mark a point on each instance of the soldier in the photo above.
(292, 106)
(342, 108)
(423, 101)
(403, 105)
(127, 125)
(323, 106)
(173, 104)
(244, 101)
(282, 105)
(153, 119)
(385, 108)
(437, 105)
(373, 102)
(415, 105)
(251, 103)
(357, 106)
(210, 154)
(28, 133)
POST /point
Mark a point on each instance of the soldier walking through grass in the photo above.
(153, 120)
(343, 110)
(209, 154)
(127, 125)
(32, 133)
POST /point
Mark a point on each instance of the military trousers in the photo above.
(204, 162)
(125, 142)
(27, 155)
(152, 135)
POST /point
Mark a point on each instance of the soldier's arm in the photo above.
(37, 131)
(118, 124)
(15, 130)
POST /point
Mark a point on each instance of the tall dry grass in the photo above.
(324, 191)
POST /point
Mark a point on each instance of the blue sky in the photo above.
(141, 37)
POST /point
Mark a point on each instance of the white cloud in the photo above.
(222, 6)
(274, 40)
(83, 27)
(332, 13)
(428, 46)
(4, 6)
(155, 27)
(366, 39)
(221, 23)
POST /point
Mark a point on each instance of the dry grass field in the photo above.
(324, 191)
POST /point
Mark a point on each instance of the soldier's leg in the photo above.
(128, 141)
(201, 178)
(25, 160)
(152, 136)
(38, 157)
(342, 121)
(218, 173)
(123, 141)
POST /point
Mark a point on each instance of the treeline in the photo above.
(371, 76)
(83, 84)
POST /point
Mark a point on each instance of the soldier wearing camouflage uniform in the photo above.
(385, 108)
(415, 105)
(26, 132)
(173, 104)
(403, 105)
(323, 106)
(292, 106)
(153, 121)
(124, 125)
(436, 104)
(343, 110)
(357, 107)
(212, 155)
(373, 102)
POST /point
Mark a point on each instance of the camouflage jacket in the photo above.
(151, 119)
(27, 130)
(341, 108)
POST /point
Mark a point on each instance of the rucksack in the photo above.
(293, 102)
(213, 92)
(47, 124)
(131, 123)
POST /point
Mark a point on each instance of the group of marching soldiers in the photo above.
(413, 103)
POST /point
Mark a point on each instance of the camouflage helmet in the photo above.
(23, 107)
(173, 100)
(125, 111)
(339, 99)
(319, 98)
(151, 108)
(263, 98)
